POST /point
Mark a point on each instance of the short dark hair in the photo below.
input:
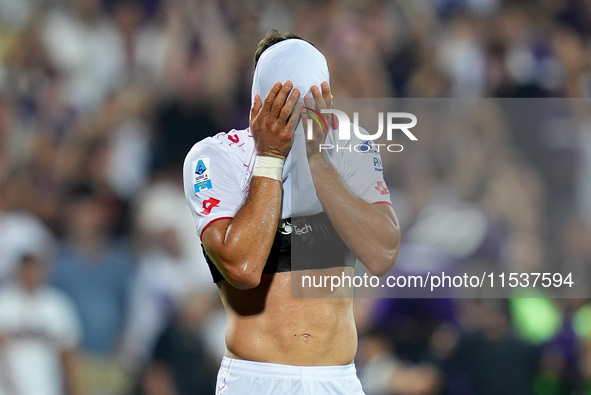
(271, 38)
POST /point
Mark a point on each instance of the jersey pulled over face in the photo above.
(218, 170)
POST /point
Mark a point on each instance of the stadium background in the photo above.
(101, 100)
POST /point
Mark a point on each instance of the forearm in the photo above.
(240, 247)
(242, 250)
(371, 235)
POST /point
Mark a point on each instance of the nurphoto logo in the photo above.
(344, 128)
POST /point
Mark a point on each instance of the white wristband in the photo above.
(268, 166)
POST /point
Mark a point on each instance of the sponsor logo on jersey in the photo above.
(382, 189)
(208, 205)
(285, 227)
(302, 230)
(367, 146)
(202, 176)
(377, 164)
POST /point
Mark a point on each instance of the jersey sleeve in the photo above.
(363, 173)
(212, 185)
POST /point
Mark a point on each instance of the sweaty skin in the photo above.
(265, 323)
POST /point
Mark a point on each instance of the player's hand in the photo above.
(322, 100)
(272, 122)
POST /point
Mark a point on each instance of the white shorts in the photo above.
(239, 377)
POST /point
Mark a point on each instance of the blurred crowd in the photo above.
(103, 286)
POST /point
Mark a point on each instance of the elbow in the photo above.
(241, 272)
(383, 263)
(245, 284)
(385, 256)
(386, 252)
(243, 277)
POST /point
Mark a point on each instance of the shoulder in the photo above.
(225, 157)
(229, 147)
(232, 142)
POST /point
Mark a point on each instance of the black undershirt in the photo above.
(311, 243)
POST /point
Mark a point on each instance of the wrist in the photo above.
(318, 159)
(268, 166)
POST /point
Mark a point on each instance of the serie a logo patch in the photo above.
(202, 175)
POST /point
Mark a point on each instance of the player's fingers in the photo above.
(288, 107)
(308, 112)
(304, 112)
(256, 107)
(279, 101)
(318, 99)
(308, 102)
(308, 107)
(271, 97)
(296, 115)
(326, 93)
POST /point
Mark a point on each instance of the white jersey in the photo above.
(217, 173)
(39, 326)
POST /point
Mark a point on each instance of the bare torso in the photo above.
(267, 324)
